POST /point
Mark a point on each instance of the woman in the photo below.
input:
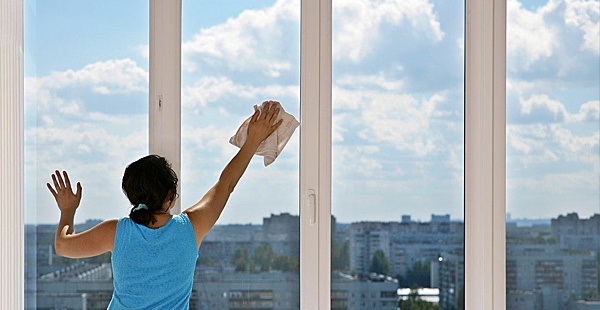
(154, 253)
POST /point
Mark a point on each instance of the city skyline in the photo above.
(557, 263)
(525, 221)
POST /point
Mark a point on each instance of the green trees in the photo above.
(264, 259)
(242, 261)
(419, 274)
(264, 256)
(340, 256)
(379, 263)
(417, 304)
(286, 264)
(414, 302)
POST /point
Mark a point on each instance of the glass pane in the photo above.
(553, 158)
(398, 145)
(236, 54)
(86, 112)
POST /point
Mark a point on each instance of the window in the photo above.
(553, 185)
(397, 154)
(230, 62)
(483, 178)
(86, 111)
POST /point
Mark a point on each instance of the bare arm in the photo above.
(98, 240)
(206, 212)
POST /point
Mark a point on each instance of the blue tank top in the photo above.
(153, 268)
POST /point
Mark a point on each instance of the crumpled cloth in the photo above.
(272, 146)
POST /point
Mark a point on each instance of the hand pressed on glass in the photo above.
(63, 193)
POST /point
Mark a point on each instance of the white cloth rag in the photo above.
(272, 146)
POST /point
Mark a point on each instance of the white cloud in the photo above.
(117, 76)
(530, 38)
(542, 102)
(362, 162)
(376, 109)
(402, 121)
(211, 138)
(358, 23)
(553, 143)
(338, 129)
(212, 89)
(541, 105)
(250, 41)
(588, 112)
(572, 145)
(105, 77)
(369, 81)
(585, 15)
(552, 30)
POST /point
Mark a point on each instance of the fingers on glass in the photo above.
(51, 189)
(60, 179)
(55, 182)
(67, 181)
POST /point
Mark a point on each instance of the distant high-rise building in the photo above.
(451, 277)
(574, 233)
(557, 275)
(403, 243)
(358, 293)
(440, 218)
(365, 239)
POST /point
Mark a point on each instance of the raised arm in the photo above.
(205, 213)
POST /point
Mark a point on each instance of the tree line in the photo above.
(264, 259)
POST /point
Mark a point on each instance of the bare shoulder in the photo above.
(107, 229)
(110, 225)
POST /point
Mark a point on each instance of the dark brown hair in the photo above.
(149, 181)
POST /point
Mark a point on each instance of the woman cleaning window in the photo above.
(153, 252)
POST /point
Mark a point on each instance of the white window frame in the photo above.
(12, 230)
(315, 154)
(165, 84)
(485, 156)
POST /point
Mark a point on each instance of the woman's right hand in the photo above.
(263, 124)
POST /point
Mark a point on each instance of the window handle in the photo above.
(311, 203)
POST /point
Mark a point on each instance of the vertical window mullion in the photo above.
(485, 171)
(499, 160)
(12, 154)
(315, 154)
(325, 145)
(165, 83)
(309, 154)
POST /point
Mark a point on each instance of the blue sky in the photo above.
(397, 104)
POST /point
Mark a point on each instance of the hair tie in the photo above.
(139, 207)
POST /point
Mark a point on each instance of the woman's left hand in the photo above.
(63, 194)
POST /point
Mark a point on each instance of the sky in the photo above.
(397, 105)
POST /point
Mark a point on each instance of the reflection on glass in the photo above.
(553, 159)
(236, 55)
(397, 155)
(86, 102)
